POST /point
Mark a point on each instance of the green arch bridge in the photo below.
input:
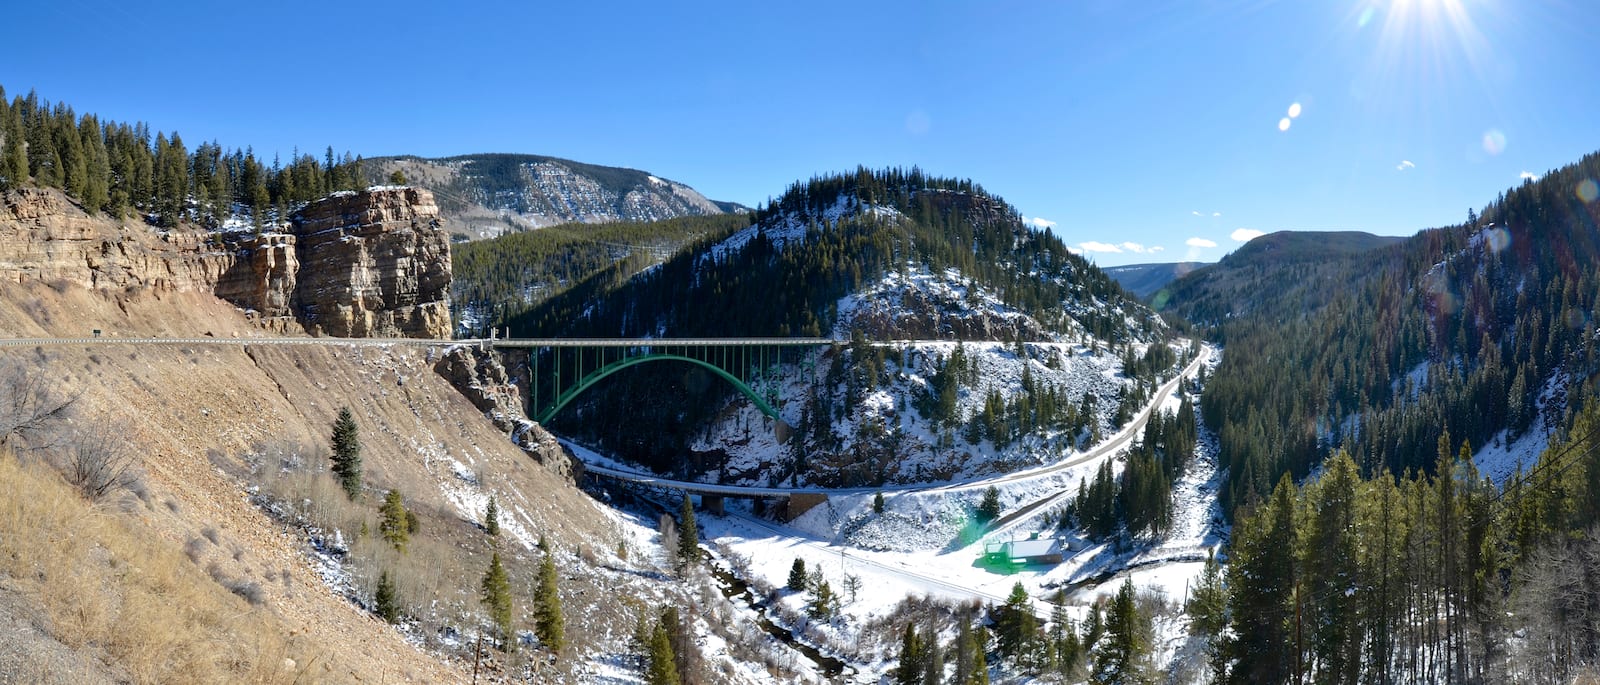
(562, 369)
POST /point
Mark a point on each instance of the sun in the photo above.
(1427, 40)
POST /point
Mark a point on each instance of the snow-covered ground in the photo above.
(923, 544)
(1503, 457)
(927, 452)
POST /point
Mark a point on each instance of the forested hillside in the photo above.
(1458, 330)
(119, 169)
(850, 229)
(1412, 364)
(869, 256)
(500, 278)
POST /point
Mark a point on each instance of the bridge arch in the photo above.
(588, 381)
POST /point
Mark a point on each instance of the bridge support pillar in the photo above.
(712, 503)
(800, 503)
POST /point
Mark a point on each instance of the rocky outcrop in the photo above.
(45, 237)
(374, 263)
(264, 275)
(483, 381)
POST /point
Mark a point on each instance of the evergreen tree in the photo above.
(97, 167)
(932, 659)
(394, 526)
(548, 623)
(496, 596)
(688, 535)
(989, 507)
(663, 669)
(980, 657)
(797, 575)
(1261, 581)
(347, 453)
(491, 518)
(912, 658)
(398, 178)
(1066, 651)
(1208, 604)
(824, 605)
(1121, 656)
(1015, 624)
(384, 602)
(877, 503)
(685, 653)
(13, 154)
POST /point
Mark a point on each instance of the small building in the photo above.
(1030, 551)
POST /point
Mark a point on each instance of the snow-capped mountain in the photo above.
(486, 195)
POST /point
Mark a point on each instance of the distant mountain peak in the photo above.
(489, 194)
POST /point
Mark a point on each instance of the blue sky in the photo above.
(1129, 125)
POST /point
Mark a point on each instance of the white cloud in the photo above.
(1195, 212)
(1157, 248)
(1132, 247)
(1095, 246)
(1074, 250)
(1529, 176)
(1245, 235)
(1199, 242)
(1039, 222)
(1216, 214)
(1404, 164)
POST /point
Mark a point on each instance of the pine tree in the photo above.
(491, 518)
(394, 527)
(1015, 623)
(663, 669)
(688, 535)
(548, 624)
(797, 575)
(932, 660)
(97, 167)
(384, 602)
(496, 596)
(823, 603)
(1064, 646)
(1121, 656)
(877, 503)
(980, 657)
(989, 507)
(347, 453)
(912, 658)
(13, 154)
(398, 178)
(1208, 604)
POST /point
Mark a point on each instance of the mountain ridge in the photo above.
(489, 194)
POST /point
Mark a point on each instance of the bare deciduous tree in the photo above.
(96, 461)
(29, 404)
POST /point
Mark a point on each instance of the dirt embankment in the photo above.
(191, 414)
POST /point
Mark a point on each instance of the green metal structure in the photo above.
(563, 369)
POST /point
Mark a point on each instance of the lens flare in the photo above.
(1366, 17)
(1283, 124)
(1494, 142)
(1294, 110)
(1587, 190)
(1497, 239)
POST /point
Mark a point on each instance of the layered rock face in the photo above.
(374, 263)
(44, 237)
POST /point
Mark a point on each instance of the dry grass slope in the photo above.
(102, 587)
